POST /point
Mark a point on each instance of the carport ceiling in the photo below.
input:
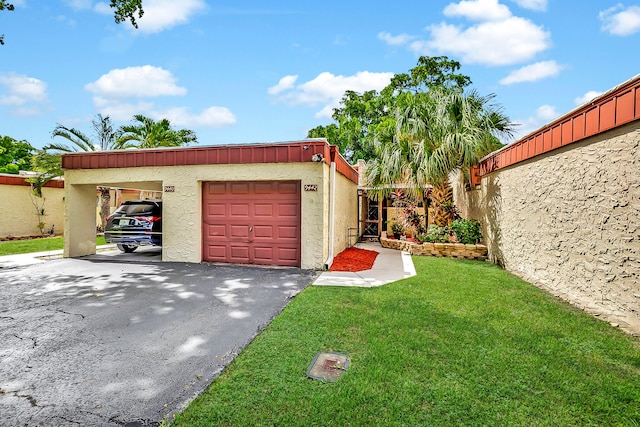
(134, 185)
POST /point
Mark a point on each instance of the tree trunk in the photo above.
(425, 202)
(105, 205)
(442, 199)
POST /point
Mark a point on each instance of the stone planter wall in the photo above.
(451, 250)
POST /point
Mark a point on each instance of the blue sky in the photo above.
(256, 71)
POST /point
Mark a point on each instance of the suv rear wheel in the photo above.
(127, 247)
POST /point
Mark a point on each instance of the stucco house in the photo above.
(287, 203)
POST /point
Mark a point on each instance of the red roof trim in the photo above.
(289, 152)
(20, 180)
(617, 107)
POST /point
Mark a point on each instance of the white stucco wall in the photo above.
(569, 221)
(18, 214)
(182, 217)
(346, 213)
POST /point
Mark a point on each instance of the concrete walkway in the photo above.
(391, 265)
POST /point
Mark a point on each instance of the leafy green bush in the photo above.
(436, 234)
(397, 228)
(466, 230)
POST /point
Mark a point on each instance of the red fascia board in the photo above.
(617, 107)
(20, 180)
(290, 152)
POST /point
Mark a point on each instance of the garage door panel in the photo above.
(288, 187)
(239, 231)
(288, 254)
(263, 231)
(262, 254)
(216, 230)
(216, 252)
(270, 209)
(239, 251)
(239, 210)
(263, 209)
(264, 187)
(239, 188)
(217, 188)
(288, 210)
(287, 232)
(216, 209)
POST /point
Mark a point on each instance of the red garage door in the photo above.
(251, 222)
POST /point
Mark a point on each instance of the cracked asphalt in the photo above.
(122, 339)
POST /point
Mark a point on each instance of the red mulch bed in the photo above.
(354, 259)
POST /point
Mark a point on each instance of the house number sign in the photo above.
(169, 189)
(311, 187)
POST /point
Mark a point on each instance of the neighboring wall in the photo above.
(568, 219)
(346, 213)
(17, 211)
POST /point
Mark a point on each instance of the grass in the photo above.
(45, 244)
(462, 343)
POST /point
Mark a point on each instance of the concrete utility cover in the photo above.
(328, 366)
(108, 340)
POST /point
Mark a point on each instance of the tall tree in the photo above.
(148, 133)
(15, 155)
(364, 118)
(123, 10)
(436, 133)
(104, 138)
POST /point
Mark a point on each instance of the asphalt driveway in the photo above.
(112, 340)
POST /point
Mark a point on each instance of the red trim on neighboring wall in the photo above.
(615, 108)
(20, 180)
(290, 152)
(342, 166)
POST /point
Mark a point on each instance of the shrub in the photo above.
(397, 228)
(436, 234)
(466, 230)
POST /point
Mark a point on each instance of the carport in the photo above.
(288, 203)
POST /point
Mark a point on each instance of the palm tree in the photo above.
(105, 138)
(437, 133)
(149, 134)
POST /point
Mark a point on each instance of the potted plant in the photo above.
(397, 230)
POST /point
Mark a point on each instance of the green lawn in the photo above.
(463, 343)
(36, 245)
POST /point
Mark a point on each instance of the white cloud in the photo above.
(533, 72)
(209, 117)
(160, 15)
(146, 81)
(620, 21)
(327, 89)
(399, 40)
(506, 42)
(498, 39)
(22, 93)
(478, 10)
(113, 91)
(79, 4)
(285, 83)
(119, 110)
(543, 115)
(102, 8)
(539, 5)
(586, 97)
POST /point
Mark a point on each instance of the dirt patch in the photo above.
(354, 259)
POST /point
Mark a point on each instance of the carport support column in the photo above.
(332, 205)
(79, 220)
